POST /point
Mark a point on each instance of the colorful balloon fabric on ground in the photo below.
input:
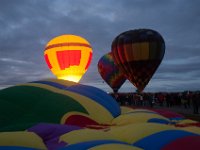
(55, 114)
(110, 72)
(138, 53)
(68, 56)
(54, 101)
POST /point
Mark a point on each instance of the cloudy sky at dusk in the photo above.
(27, 25)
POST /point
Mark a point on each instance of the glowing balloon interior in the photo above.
(138, 53)
(68, 57)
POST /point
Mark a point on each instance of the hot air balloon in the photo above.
(68, 56)
(138, 53)
(110, 72)
(55, 114)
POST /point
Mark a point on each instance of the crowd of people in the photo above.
(182, 99)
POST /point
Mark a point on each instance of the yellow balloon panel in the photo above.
(68, 57)
(132, 118)
(192, 129)
(115, 147)
(21, 138)
(84, 135)
(131, 133)
(137, 51)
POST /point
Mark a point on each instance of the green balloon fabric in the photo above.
(23, 106)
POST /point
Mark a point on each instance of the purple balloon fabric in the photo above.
(50, 133)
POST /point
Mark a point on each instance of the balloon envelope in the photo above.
(138, 53)
(110, 73)
(68, 56)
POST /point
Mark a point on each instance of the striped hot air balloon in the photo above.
(110, 72)
(138, 53)
(68, 56)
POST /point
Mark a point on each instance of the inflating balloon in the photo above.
(68, 56)
(55, 114)
(110, 72)
(138, 53)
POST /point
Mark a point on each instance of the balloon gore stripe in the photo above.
(67, 44)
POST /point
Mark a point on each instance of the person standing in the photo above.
(195, 102)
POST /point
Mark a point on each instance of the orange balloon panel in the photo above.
(68, 56)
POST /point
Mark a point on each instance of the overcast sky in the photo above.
(27, 25)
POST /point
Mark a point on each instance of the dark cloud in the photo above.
(27, 25)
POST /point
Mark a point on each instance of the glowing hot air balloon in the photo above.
(110, 72)
(68, 56)
(138, 53)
